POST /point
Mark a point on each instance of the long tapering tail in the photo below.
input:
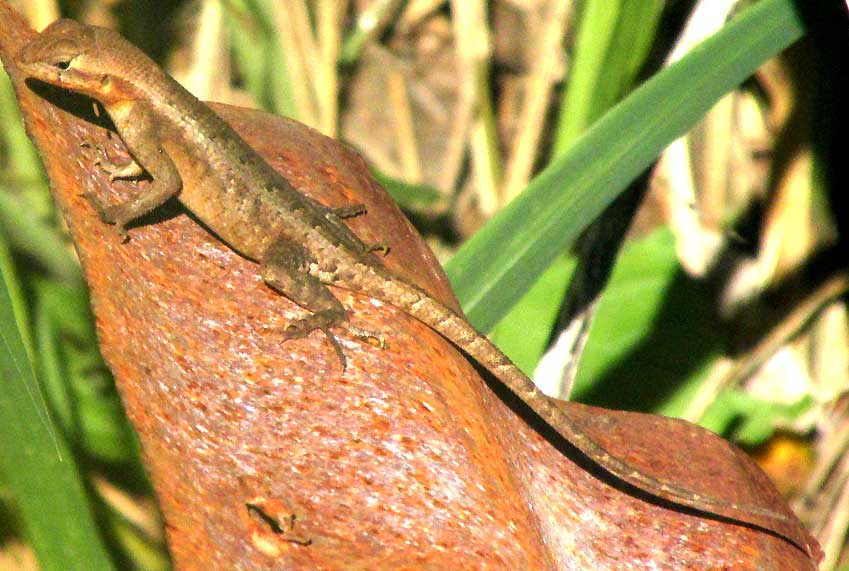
(456, 329)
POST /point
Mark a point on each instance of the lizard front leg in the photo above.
(284, 268)
(139, 130)
(115, 170)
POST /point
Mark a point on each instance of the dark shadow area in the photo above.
(77, 104)
(152, 24)
(777, 303)
(828, 34)
(685, 333)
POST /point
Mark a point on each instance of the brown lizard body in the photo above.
(302, 246)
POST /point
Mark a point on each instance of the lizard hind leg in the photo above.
(284, 269)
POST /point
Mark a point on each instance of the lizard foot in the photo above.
(383, 248)
(300, 328)
(110, 214)
(350, 211)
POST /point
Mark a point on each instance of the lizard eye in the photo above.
(63, 65)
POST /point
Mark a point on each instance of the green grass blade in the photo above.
(28, 233)
(566, 197)
(614, 39)
(405, 194)
(38, 467)
(525, 331)
(22, 163)
(259, 56)
(78, 387)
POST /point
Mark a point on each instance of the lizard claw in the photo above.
(368, 336)
(300, 328)
(337, 348)
(383, 248)
(122, 232)
(296, 329)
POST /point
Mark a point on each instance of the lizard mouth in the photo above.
(42, 72)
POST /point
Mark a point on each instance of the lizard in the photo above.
(302, 246)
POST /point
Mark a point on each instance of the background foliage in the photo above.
(725, 305)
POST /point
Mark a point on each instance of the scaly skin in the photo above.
(301, 245)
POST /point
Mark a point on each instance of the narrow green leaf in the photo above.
(37, 465)
(614, 38)
(524, 332)
(259, 55)
(596, 32)
(22, 162)
(77, 383)
(27, 233)
(15, 291)
(405, 194)
(525, 238)
(754, 419)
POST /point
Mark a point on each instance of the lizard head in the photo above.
(69, 55)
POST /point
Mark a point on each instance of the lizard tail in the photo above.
(456, 329)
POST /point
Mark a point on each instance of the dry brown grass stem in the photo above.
(404, 128)
(417, 10)
(472, 43)
(833, 535)
(208, 74)
(329, 19)
(301, 30)
(546, 71)
(295, 63)
(697, 245)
